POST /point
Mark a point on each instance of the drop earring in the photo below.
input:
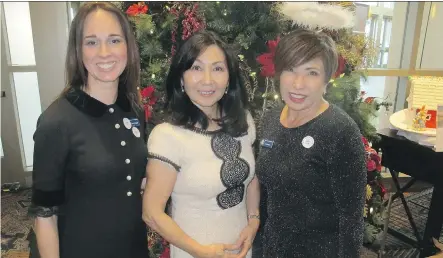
(183, 88)
(226, 90)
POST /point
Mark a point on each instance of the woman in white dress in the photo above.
(203, 157)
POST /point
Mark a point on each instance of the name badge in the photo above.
(135, 122)
(267, 143)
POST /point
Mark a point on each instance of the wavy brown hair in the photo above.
(76, 73)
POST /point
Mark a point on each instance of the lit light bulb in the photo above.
(152, 31)
(264, 95)
(153, 76)
(225, 13)
(218, 2)
(371, 210)
(276, 96)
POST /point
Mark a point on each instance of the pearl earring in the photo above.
(183, 88)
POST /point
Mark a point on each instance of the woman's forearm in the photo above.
(171, 232)
(47, 236)
(253, 198)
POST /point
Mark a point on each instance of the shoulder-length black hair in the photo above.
(76, 73)
(232, 105)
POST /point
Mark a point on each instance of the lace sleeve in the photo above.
(43, 212)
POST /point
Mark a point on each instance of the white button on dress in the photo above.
(127, 161)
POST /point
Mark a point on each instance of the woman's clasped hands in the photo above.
(243, 244)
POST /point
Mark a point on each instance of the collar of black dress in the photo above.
(92, 106)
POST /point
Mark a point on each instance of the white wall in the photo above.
(430, 56)
(50, 34)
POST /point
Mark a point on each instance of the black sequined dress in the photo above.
(315, 177)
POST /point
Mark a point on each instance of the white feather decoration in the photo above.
(314, 15)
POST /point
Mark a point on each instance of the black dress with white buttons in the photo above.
(89, 163)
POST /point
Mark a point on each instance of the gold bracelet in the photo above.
(253, 216)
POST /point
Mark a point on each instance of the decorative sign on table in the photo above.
(425, 95)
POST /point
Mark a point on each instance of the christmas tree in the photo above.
(253, 30)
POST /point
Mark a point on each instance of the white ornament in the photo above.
(317, 16)
(307, 142)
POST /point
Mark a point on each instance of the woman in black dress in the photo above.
(311, 160)
(90, 154)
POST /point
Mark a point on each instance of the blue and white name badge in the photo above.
(267, 143)
(134, 122)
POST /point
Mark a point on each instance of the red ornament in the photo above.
(267, 59)
(137, 9)
(148, 100)
(190, 24)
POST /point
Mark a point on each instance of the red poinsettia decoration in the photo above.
(267, 59)
(341, 66)
(148, 100)
(137, 9)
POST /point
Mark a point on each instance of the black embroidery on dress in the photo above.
(164, 159)
(234, 170)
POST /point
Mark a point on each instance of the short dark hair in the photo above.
(301, 46)
(76, 73)
(232, 105)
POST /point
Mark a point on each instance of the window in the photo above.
(378, 16)
(19, 33)
(29, 109)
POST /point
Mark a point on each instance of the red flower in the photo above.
(136, 9)
(370, 164)
(341, 66)
(148, 95)
(266, 59)
(148, 100)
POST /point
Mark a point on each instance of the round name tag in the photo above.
(127, 123)
(307, 142)
(136, 132)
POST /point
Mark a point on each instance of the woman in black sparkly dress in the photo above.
(311, 160)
